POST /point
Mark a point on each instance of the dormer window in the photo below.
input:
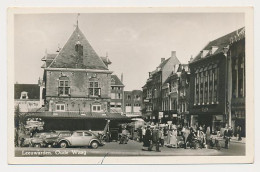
(24, 95)
(204, 53)
(64, 88)
(213, 49)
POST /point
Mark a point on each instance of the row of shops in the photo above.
(209, 90)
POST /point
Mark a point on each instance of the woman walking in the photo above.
(173, 140)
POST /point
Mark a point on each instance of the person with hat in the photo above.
(155, 139)
(147, 138)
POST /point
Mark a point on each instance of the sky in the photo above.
(134, 42)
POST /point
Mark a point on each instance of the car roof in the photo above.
(82, 131)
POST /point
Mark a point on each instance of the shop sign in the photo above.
(146, 100)
(166, 116)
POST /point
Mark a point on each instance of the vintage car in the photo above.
(55, 138)
(38, 139)
(81, 138)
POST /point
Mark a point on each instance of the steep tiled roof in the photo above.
(221, 42)
(117, 80)
(162, 64)
(33, 90)
(68, 57)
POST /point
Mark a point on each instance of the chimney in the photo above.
(162, 60)
(173, 54)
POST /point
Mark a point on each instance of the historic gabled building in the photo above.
(77, 87)
(175, 96)
(153, 88)
(209, 89)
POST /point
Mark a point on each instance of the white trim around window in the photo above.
(96, 108)
(60, 107)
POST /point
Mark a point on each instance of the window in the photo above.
(119, 88)
(94, 89)
(128, 97)
(96, 108)
(60, 107)
(64, 88)
(119, 95)
(79, 134)
(128, 104)
(24, 95)
(87, 134)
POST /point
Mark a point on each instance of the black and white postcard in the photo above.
(130, 85)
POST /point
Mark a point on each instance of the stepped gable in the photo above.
(68, 57)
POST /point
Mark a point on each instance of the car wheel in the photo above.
(37, 145)
(63, 144)
(94, 144)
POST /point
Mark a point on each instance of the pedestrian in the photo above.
(155, 140)
(147, 138)
(168, 136)
(227, 137)
(173, 140)
(239, 130)
(161, 136)
(186, 133)
(208, 136)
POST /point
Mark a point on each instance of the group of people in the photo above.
(174, 136)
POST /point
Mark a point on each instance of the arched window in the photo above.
(64, 86)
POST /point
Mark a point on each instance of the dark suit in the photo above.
(155, 140)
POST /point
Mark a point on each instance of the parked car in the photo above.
(38, 139)
(54, 139)
(81, 138)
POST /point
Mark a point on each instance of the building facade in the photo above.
(209, 86)
(117, 95)
(152, 97)
(133, 102)
(175, 96)
(78, 87)
(237, 79)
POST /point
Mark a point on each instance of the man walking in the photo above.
(155, 140)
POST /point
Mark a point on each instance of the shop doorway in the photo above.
(205, 120)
